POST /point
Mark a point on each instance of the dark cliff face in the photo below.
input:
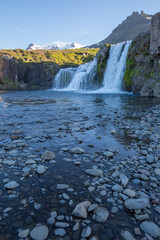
(142, 74)
(16, 74)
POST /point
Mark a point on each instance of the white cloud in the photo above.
(82, 33)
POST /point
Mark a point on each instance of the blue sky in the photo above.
(84, 21)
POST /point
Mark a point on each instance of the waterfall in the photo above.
(115, 67)
(63, 78)
(85, 76)
(76, 78)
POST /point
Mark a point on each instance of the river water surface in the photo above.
(54, 120)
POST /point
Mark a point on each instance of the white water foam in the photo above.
(115, 68)
(82, 78)
(72, 79)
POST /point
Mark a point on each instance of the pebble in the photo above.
(41, 169)
(62, 186)
(151, 228)
(60, 232)
(81, 209)
(126, 235)
(86, 232)
(40, 232)
(100, 214)
(94, 172)
(133, 204)
(23, 233)
(77, 150)
(11, 185)
(48, 155)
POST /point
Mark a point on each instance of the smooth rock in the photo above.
(81, 209)
(127, 235)
(124, 180)
(135, 204)
(117, 188)
(100, 214)
(62, 186)
(130, 193)
(108, 154)
(23, 233)
(11, 185)
(39, 232)
(41, 169)
(48, 155)
(151, 228)
(94, 172)
(86, 232)
(150, 159)
(77, 150)
(62, 224)
(157, 171)
(60, 232)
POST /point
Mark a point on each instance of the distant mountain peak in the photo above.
(127, 30)
(55, 45)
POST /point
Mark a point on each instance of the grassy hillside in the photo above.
(61, 57)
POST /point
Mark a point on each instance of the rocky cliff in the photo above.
(16, 74)
(142, 74)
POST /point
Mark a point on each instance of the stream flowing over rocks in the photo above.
(77, 166)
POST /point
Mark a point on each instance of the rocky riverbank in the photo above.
(95, 177)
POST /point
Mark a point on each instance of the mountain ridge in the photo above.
(55, 45)
(127, 30)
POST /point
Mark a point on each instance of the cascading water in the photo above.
(76, 78)
(63, 77)
(115, 67)
(84, 77)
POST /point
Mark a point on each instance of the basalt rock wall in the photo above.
(142, 74)
(15, 74)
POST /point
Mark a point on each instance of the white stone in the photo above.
(62, 224)
(108, 154)
(81, 209)
(23, 233)
(60, 232)
(51, 220)
(157, 171)
(130, 193)
(86, 232)
(76, 226)
(151, 228)
(135, 204)
(124, 179)
(9, 162)
(11, 185)
(94, 172)
(77, 150)
(100, 214)
(62, 186)
(41, 169)
(39, 232)
(127, 235)
(48, 155)
(37, 205)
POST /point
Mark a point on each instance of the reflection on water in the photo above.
(51, 120)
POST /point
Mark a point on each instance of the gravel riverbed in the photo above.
(79, 166)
